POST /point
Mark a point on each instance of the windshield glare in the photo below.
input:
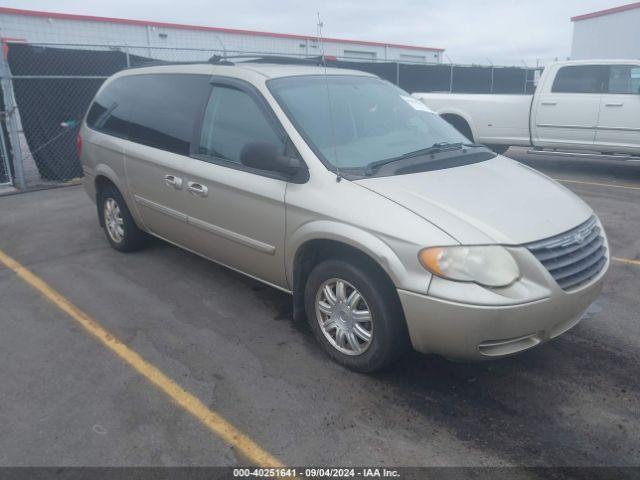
(369, 119)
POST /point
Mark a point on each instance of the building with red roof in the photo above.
(611, 33)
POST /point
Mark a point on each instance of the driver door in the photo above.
(236, 214)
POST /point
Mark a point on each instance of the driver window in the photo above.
(233, 119)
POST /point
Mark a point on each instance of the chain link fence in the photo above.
(47, 88)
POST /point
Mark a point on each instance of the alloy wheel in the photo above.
(113, 220)
(344, 317)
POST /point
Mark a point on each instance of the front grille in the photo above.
(575, 257)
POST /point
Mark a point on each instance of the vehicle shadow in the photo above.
(571, 402)
(552, 405)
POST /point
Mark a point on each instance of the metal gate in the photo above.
(5, 169)
(6, 178)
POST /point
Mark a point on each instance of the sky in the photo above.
(500, 32)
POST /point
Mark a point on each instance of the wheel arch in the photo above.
(460, 120)
(100, 182)
(350, 244)
(104, 176)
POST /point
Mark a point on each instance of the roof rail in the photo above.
(220, 60)
(261, 58)
(160, 63)
(278, 59)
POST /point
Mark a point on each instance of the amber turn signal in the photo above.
(430, 259)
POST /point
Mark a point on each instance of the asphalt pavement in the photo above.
(230, 341)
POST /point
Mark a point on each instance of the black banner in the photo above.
(320, 473)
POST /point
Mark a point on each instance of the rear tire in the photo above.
(340, 322)
(119, 227)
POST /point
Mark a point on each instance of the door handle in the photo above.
(549, 102)
(173, 181)
(617, 104)
(197, 189)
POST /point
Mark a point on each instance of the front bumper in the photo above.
(473, 331)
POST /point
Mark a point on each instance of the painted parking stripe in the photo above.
(214, 421)
(628, 261)
(596, 184)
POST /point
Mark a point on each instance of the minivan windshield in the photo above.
(370, 122)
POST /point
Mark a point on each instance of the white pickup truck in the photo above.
(578, 105)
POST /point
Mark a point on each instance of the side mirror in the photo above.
(265, 156)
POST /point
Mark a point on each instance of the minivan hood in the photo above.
(495, 201)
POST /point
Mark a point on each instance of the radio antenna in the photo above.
(326, 82)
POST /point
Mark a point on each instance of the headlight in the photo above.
(492, 266)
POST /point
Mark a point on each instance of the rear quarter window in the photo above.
(157, 110)
(109, 112)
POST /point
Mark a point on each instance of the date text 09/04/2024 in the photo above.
(315, 473)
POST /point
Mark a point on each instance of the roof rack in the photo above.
(261, 58)
(278, 59)
(160, 63)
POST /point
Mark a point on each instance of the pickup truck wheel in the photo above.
(499, 149)
(355, 315)
(121, 231)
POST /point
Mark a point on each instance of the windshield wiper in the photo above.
(435, 148)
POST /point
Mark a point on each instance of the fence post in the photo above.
(11, 119)
(149, 40)
(5, 158)
(492, 70)
(126, 53)
(398, 74)
(451, 80)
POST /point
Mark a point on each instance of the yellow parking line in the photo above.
(186, 400)
(612, 185)
(627, 261)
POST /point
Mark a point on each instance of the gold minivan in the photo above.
(387, 227)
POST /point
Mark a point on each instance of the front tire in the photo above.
(119, 227)
(355, 314)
